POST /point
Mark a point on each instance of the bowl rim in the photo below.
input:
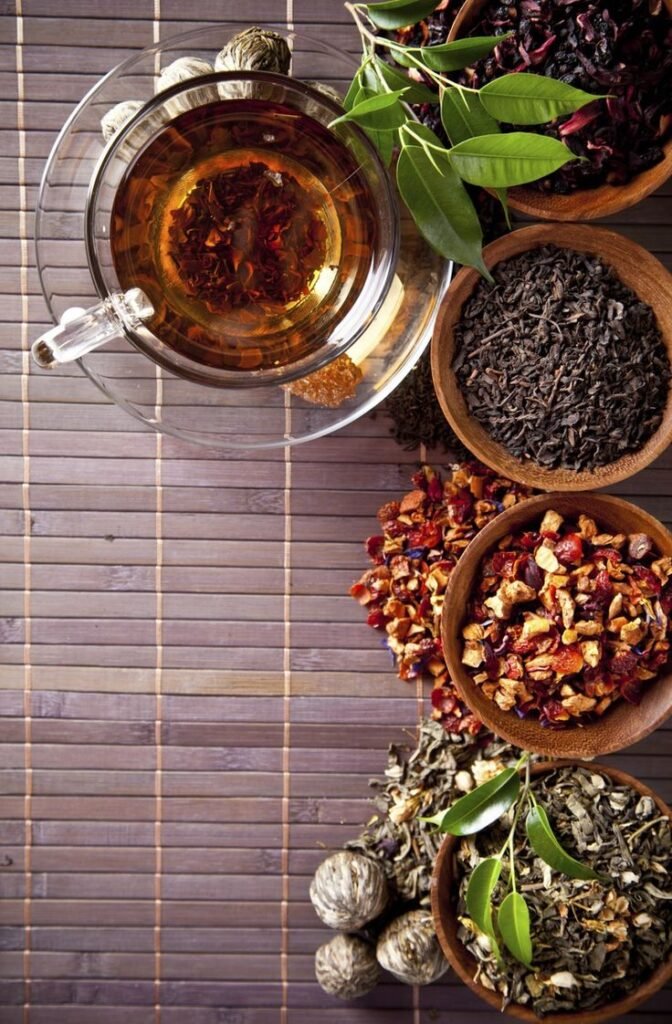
(586, 203)
(587, 741)
(588, 238)
(457, 954)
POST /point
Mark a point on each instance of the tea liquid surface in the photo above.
(250, 229)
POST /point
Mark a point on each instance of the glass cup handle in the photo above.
(82, 330)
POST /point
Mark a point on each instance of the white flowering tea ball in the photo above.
(255, 49)
(181, 70)
(348, 890)
(409, 949)
(117, 117)
(346, 967)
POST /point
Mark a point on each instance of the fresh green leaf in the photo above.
(513, 921)
(463, 116)
(445, 216)
(531, 99)
(458, 54)
(354, 89)
(488, 802)
(394, 79)
(399, 13)
(383, 112)
(384, 143)
(414, 133)
(546, 845)
(512, 158)
(480, 888)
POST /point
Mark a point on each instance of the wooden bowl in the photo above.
(583, 204)
(636, 268)
(622, 724)
(464, 964)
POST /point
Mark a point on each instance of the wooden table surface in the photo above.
(191, 705)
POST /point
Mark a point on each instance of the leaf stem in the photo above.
(370, 41)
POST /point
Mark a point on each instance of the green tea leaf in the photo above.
(383, 112)
(464, 116)
(399, 13)
(480, 888)
(440, 206)
(414, 133)
(483, 805)
(546, 845)
(512, 158)
(416, 92)
(531, 99)
(354, 89)
(513, 921)
(458, 54)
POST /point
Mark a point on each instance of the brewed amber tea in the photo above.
(250, 228)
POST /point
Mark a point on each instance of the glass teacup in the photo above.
(233, 236)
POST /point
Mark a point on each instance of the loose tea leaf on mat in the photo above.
(434, 774)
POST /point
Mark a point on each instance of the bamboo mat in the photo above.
(191, 706)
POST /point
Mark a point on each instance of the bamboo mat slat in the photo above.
(190, 705)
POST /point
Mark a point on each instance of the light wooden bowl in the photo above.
(636, 267)
(622, 724)
(464, 964)
(583, 204)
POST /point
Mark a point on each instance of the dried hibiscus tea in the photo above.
(423, 536)
(562, 628)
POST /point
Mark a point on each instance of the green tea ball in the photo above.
(346, 967)
(117, 117)
(348, 890)
(255, 49)
(409, 949)
(183, 70)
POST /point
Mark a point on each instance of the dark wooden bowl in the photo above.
(584, 204)
(622, 724)
(464, 964)
(636, 267)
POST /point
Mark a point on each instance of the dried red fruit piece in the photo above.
(623, 663)
(460, 505)
(567, 661)
(569, 549)
(374, 549)
(504, 563)
(648, 581)
(426, 536)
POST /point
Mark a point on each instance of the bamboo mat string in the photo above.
(287, 678)
(158, 669)
(419, 696)
(27, 525)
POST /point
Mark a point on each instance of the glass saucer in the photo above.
(219, 417)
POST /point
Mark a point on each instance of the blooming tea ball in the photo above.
(346, 967)
(255, 49)
(409, 949)
(117, 117)
(348, 890)
(181, 70)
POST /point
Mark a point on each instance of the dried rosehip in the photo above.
(528, 540)
(374, 549)
(504, 563)
(460, 505)
(611, 554)
(377, 620)
(648, 581)
(427, 536)
(569, 549)
(604, 588)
